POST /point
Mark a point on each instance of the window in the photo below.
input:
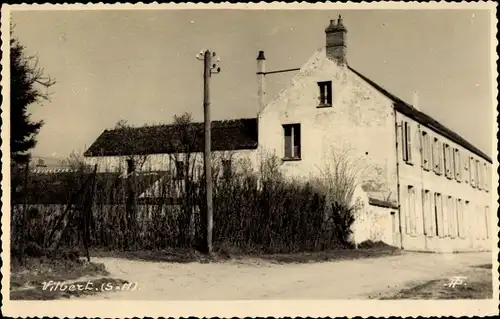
(411, 225)
(41, 163)
(436, 156)
(460, 218)
(179, 169)
(426, 151)
(226, 169)
(428, 216)
(447, 162)
(438, 212)
(472, 172)
(458, 164)
(292, 141)
(407, 154)
(325, 93)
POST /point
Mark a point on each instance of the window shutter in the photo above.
(486, 177)
(446, 220)
(329, 96)
(403, 142)
(487, 220)
(452, 162)
(429, 152)
(446, 160)
(459, 218)
(458, 165)
(437, 220)
(466, 173)
(435, 153)
(296, 141)
(427, 212)
(288, 141)
(411, 201)
(478, 175)
(408, 142)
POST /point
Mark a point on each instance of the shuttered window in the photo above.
(426, 151)
(292, 141)
(438, 211)
(472, 172)
(429, 222)
(407, 143)
(458, 164)
(411, 225)
(437, 156)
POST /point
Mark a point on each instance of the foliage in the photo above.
(29, 85)
(254, 211)
(256, 208)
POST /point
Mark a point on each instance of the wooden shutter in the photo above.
(288, 141)
(404, 147)
(296, 141)
(408, 142)
(487, 220)
(329, 94)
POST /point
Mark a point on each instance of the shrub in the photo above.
(254, 211)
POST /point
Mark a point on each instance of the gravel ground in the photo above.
(258, 279)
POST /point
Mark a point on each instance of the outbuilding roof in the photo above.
(239, 134)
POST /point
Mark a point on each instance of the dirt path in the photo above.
(255, 279)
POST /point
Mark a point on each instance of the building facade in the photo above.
(424, 186)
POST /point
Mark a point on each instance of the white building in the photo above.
(425, 187)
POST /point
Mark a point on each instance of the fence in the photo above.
(254, 211)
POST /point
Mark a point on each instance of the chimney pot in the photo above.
(261, 56)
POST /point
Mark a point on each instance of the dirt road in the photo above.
(256, 279)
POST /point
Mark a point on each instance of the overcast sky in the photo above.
(140, 66)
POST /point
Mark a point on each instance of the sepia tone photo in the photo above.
(212, 153)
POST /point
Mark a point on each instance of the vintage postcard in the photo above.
(244, 160)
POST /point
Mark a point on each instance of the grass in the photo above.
(477, 285)
(27, 281)
(366, 250)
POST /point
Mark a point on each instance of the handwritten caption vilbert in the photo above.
(88, 286)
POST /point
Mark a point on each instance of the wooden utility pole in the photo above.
(208, 70)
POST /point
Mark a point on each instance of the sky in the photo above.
(141, 66)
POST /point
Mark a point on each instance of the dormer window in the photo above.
(325, 93)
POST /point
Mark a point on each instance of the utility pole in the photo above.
(208, 70)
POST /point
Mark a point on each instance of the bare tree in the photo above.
(185, 172)
(131, 144)
(339, 178)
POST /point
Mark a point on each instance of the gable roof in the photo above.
(424, 119)
(227, 135)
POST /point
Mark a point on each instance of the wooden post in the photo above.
(131, 209)
(207, 153)
(87, 211)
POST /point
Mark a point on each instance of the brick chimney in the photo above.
(336, 41)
